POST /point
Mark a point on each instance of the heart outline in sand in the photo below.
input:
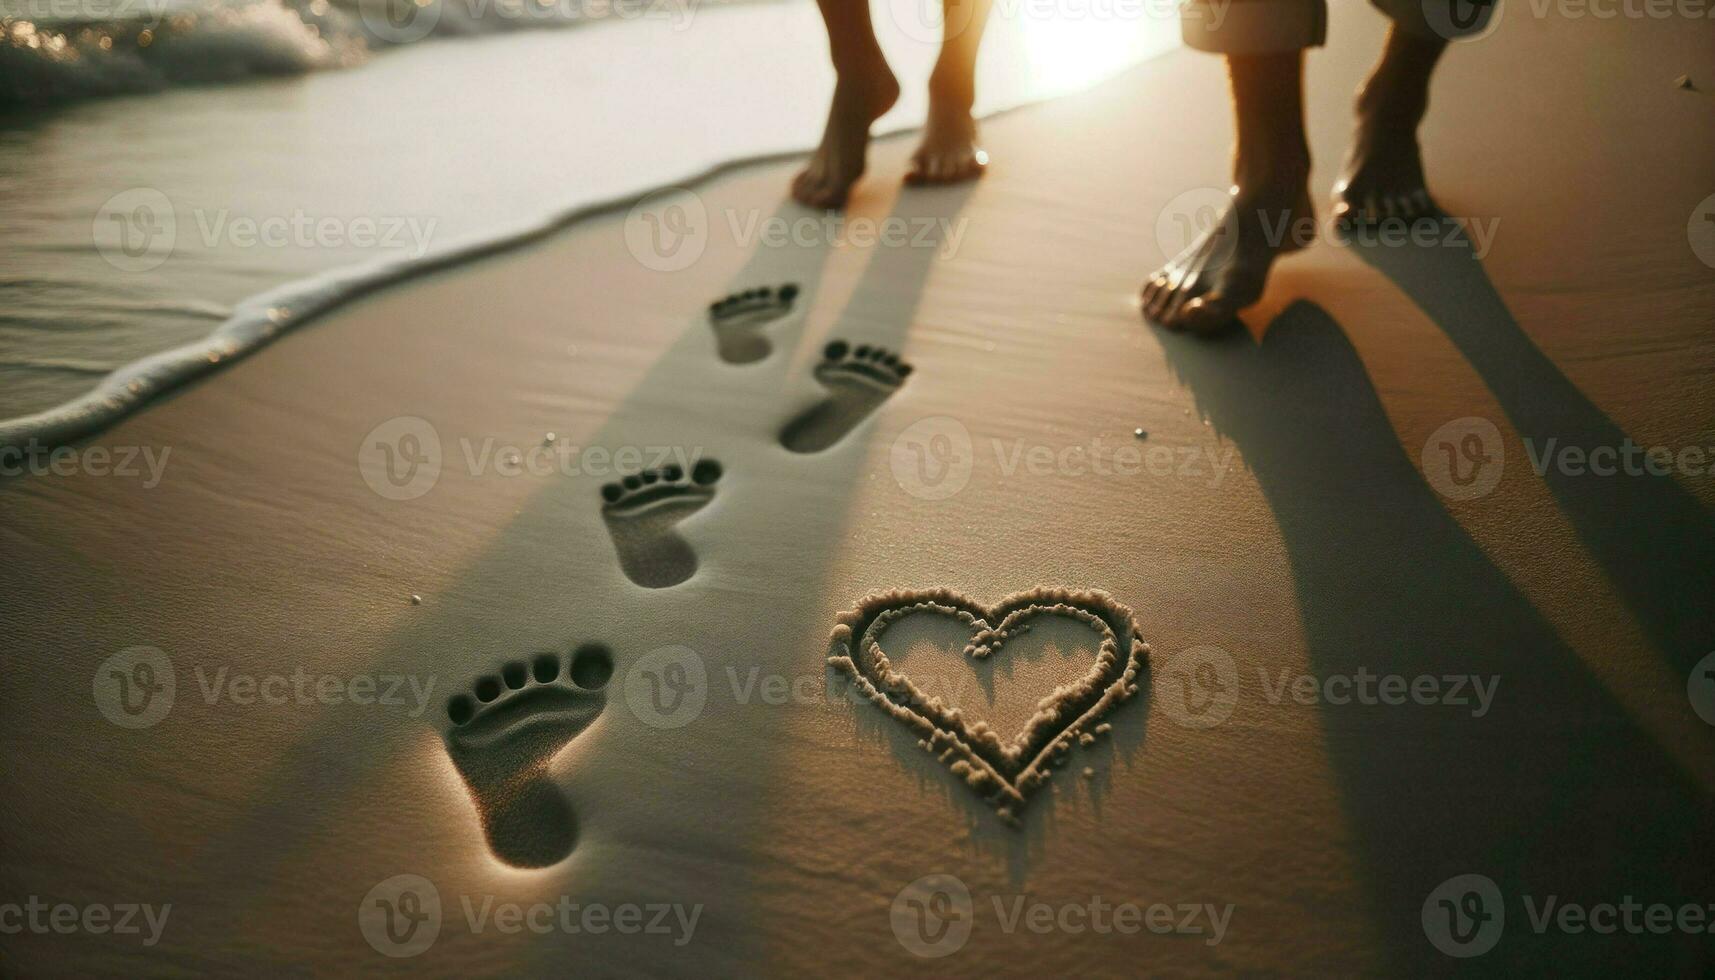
(1005, 773)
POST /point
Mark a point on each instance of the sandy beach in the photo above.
(1286, 531)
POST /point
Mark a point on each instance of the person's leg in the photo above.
(865, 89)
(1383, 173)
(1270, 214)
(949, 149)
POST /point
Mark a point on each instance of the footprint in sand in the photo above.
(642, 513)
(504, 732)
(858, 380)
(738, 321)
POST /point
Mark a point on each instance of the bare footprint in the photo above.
(642, 513)
(504, 732)
(858, 381)
(738, 321)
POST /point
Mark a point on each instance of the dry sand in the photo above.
(1323, 550)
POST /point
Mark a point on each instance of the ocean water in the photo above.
(58, 50)
(154, 223)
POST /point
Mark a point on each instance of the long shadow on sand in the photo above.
(485, 593)
(1553, 791)
(1654, 539)
(732, 745)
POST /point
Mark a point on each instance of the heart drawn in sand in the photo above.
(1005, 773)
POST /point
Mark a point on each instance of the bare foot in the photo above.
(1225, 269)
(949, 151)
(1382, 177)
(860, 98)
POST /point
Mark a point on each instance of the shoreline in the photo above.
(257, 319)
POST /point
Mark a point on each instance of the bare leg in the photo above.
(866, 88)
(1224, 270)
(949, 149)
(1383, 173)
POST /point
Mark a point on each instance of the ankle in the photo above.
(1396, 95)
(1391, 108)
(952, 89)
(1280, 176)
(862, 70)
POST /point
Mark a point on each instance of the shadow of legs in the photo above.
(1549, 791)
(1654, 539)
